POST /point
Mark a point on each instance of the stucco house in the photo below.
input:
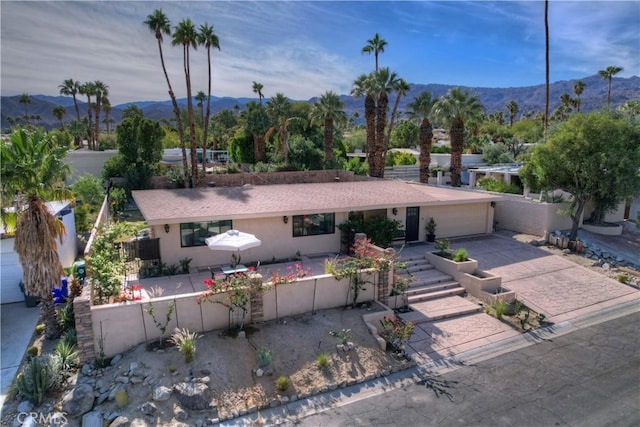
(302, 219)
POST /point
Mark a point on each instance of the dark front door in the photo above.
(412, 223)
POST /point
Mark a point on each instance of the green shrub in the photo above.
(67, 354)
(491, 184)
(500, 307)
(623, 278)
(323, 360)
(441, 149)
(461, 255)
(264, 357)
(442, 246)
(66, 317)
(40, 329)
(33, 351)
(283, 383)
(185, 341)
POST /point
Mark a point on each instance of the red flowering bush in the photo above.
(130, 293)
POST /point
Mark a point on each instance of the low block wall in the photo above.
(119, 327)
(517, 213)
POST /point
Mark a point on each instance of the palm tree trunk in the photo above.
(192, 127)
(609, 94)
(97, 128)
(370, 118)
(328, 141)
(52, 327)
(457, 142)
(426, 137)
(206, 122)
(546, 57)
(75, 103)
(176, 113)
(381, 123)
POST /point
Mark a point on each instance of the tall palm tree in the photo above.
(106, 104)
(578, 88)
(159, 24)
(385, 81)
(401, 87)
(566, 102)
(279, 110)
(87, 90)
(607, 74)
(185, 35)
(58, 112)
(454, 109)
(364, 86)
(33, 170)
(208, 39)
(101, 92)
(546, 61)
(257, 89)
(512, 108)
(71, 88)
(421, 107)
(26, 100)
(328, 110)
(375, 45)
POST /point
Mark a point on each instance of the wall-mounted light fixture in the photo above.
(493, 204)
(285, 219)
(394, 211)
(166, 228)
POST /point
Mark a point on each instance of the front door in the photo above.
(413, 223)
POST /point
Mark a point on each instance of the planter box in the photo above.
(450, 267)
(372, 320)
(480, 281)
(502, 294)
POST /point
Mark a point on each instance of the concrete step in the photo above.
(441, 308)
(421, 289)
(425, 296)
(429, 278)
(419, 267)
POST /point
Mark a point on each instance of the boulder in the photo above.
(195, 396)
(120, 422)
(162, 393)
(148, 408)
(78, 401)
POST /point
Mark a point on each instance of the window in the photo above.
(314, 224)
(195, 233)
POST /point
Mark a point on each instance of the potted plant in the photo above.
(431, 230)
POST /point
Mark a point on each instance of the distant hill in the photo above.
(529, 98)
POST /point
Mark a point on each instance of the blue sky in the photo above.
(303, 49)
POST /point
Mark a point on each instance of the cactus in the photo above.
(33, 383)
(122, 399)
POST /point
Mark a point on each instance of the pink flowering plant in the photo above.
(132, 292)
(292, 274)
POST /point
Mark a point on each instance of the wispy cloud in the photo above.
(305, 48)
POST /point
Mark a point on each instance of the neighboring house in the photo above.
(10, 268)
(302, 219)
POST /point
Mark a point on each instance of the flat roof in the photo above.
(261, 201)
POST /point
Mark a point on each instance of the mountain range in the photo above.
(528, 98)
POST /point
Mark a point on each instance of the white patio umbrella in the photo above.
(232, 240)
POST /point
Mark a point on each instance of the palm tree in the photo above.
(421, 107)
(454, 109)
(26, 100)
(401, 87)
(185, 35)
(512, 107)
(33, 170)
(566, 102)
(363, 86)
(385, 82)
(58, 112)
(88, 90)
(279, 111)
(257, 89)
(107, 112)
(607, 74)
(208, 39)
(159, 24)
(101, 92)
(546, 60)
(201, 97)
(375, 45)
(329, 110)
(71, 87)
(578, 88)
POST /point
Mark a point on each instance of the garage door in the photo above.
(10, 274)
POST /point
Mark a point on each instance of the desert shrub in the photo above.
(185, 341)
(323, 360)
(67, 354)
(491, 184)
(40, 329)
(283, 383)
(496, 153)
(264, 357)
(122, 398)
(623, 278)
(500, 307)
(442, 246)
(399, 158)
(461, 255)
(66, 316)
(175, 175)
(441, 149)
(33, 351)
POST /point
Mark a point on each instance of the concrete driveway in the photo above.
(17, 325)
(547, 283)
